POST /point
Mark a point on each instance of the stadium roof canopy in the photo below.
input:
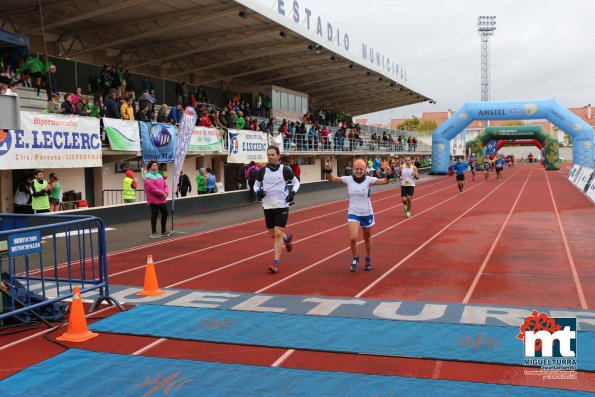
(226, 44)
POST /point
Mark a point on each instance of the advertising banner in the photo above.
(158, 141)
(205, 139)
(247, 146)
(122, 134)
(51, 141)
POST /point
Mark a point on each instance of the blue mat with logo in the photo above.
(460, 342)
(89, 374)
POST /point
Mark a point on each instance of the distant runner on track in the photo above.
(459, 168)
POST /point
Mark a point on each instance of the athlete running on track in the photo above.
(408, 175)
(499, 165)
(486, 167)
(472, 162)
(271, 188)
(360, 212)
(459, 168)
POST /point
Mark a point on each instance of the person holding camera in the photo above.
(360, 212)
(271, 188)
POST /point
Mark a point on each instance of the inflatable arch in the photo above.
(544, 138)
(503, 142)
(582, 133)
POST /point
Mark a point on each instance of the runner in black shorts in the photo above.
(272, 189)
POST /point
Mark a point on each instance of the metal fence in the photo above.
(49, 255)
(114, 196)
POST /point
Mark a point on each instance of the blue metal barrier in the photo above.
(50, 254)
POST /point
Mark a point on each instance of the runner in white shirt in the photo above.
(271, 188)
(408, 175)
(360, 211)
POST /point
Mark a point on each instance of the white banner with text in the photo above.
(51, 141)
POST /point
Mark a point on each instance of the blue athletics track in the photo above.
(439, 313)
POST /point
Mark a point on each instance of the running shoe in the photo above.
(408, 213)
(405, 208)
(354, 263)
(274, 268)
(368, 266)
(288, 242)
(156, 235)
(165, 233)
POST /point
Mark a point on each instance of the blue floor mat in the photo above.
(460, 342)
(88, 374)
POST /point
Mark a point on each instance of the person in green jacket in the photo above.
(40, 200)
(201, 181)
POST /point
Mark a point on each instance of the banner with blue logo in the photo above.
(247, 146)
(158, 141)
(491, 147)
(51, 141)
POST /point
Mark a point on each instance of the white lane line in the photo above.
(496, 240)
(577, 281)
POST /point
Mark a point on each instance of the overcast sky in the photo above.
(541, 48)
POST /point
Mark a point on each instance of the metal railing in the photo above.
(114, 196)
(50, 255)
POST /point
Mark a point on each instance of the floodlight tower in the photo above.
(486, 25)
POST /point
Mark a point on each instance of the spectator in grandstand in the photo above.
(12, 89)
(230, 119)
(51, 82)
(53, 105)
(284, 131)
(156, 191)
(201, 95)
(240, 121)
(325, 138)
(268, 104)
(3, 89)
(112, 105)
(143, 113)
(175, 115)
(147, 84)
(162, 114)
(204, 120)
(146, 98)
(76, 96)
(313, 137)
(126, 110)
(67, 107)
(96, 109)
(251, 124)
(222, 119)
(105, 80)
(271, 188)
(259, 104)
(360, 212)
(120, 84)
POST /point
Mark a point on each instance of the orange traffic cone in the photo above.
(77, 323)
(151, 287)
